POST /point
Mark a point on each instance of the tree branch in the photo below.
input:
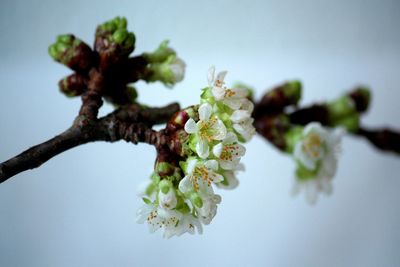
(131, 123)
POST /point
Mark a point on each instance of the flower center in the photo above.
(229, 93)
(206, 129)
(312, 145)
(228, 152)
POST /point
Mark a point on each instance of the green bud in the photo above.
(65, 38)
(119, 36)
(341, 107)
(292, 90)
(196, 199)
(351, 123)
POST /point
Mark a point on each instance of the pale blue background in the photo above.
(79, 208)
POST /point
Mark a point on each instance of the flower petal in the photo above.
(205, 111)
(217, 150)
(240, 115)
(202, 148)
(219, 130)
(190, 126)
(185, 185)
(211, 164)
(210, 76)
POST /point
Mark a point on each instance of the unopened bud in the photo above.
(72, 52)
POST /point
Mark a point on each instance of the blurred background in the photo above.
(79, 208)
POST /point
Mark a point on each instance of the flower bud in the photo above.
(72, 52)
(72, 85)
(340, 108)
(277, 99)
(169, 72)
(113, 41)
(160, 54)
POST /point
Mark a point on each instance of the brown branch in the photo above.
(384, 139)
(132, 124)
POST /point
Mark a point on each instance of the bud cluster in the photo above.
(180, 198)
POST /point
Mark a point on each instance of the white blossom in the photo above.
(317, 152)
(199, 172)
(207, 129)
(229, 152)
(232, 97)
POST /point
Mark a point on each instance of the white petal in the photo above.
(303, 158)
(230, 138)
(185, 185)
(240, 115)
(220, 130)
(211, 164)
(247, 105)
(218, 178)
(202, 148)
(190, 126)
(229, 164)
(191, 164)
(143, 213)
(240, 92)
(218, 92)
(205, 111)
(233, 103)
(217, 150)
(311, 192)
(210, 75)
(220, 77)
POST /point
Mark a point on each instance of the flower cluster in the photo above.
(180, 197)
(316, 152)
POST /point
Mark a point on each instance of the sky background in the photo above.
(79, 208)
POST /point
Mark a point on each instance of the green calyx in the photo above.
(304, 174)
(165, 186)
(292, 136)
(196, 199)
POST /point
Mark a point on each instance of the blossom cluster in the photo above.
(180, 198)
(315, 151)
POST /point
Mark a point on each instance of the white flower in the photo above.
(159, 218)
(243, 124)
(188, 224)
(317, 152)
(229, 152)
(207, 129)
(168, 200)
(232, 97)
(200, 175)
(209, 209)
